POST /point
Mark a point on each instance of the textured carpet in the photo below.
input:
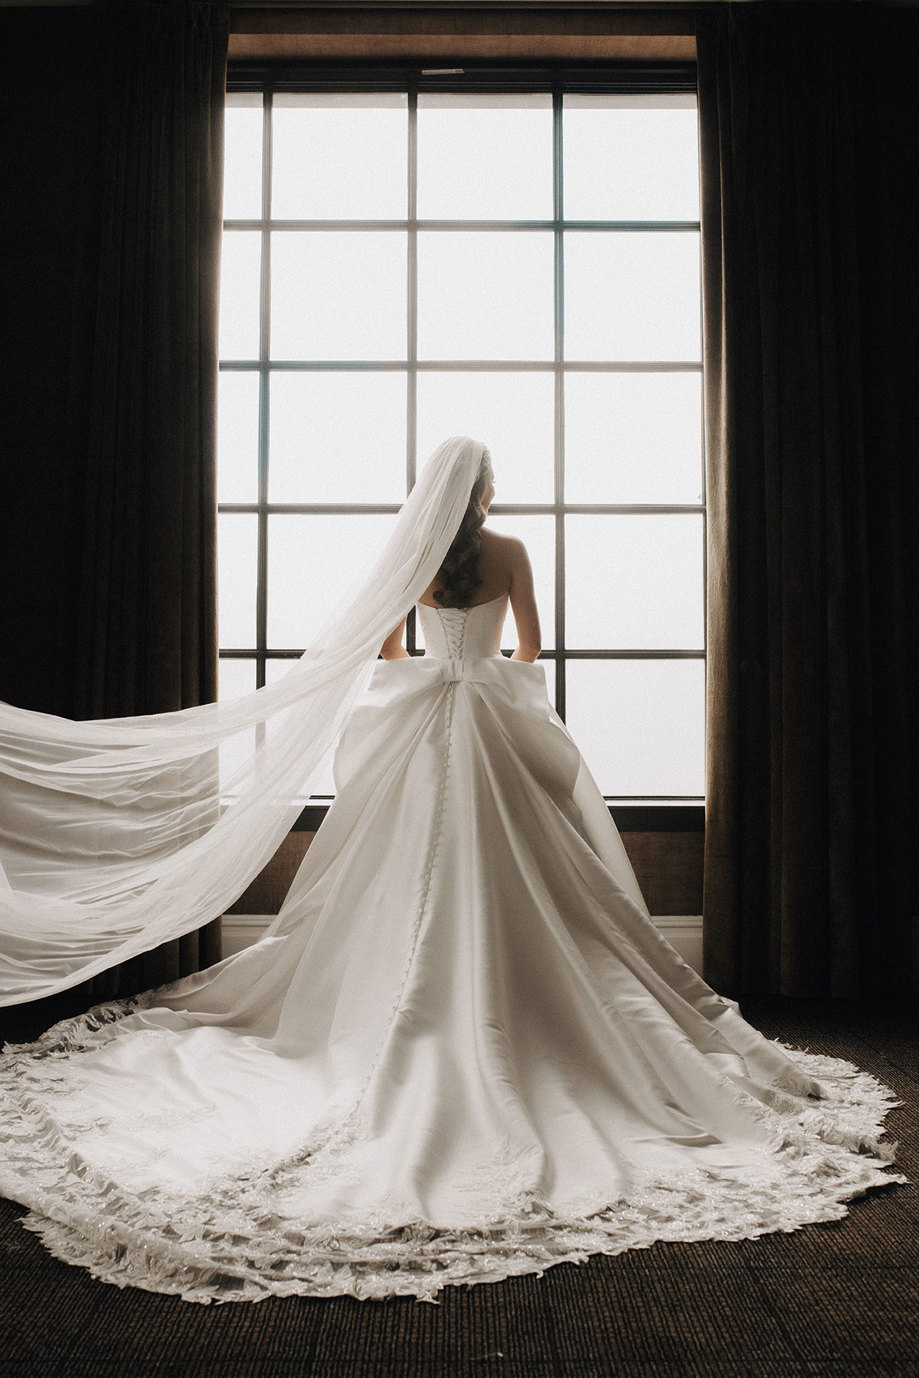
(835, 1299)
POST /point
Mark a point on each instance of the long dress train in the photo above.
(461, 1052)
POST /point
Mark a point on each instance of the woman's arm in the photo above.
(392, 648)
(523, 602)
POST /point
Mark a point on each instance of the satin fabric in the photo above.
(462, 1050)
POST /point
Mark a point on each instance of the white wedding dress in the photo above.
(462, 1051)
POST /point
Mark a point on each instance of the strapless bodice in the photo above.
(458, 633)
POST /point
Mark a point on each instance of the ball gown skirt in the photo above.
(461, 1052)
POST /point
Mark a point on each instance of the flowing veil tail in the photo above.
(121, 833)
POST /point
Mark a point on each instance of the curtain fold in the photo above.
(147, 604)
(810, 154)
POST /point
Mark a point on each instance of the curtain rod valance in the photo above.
(486, 32)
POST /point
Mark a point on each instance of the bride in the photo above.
(461, 1052)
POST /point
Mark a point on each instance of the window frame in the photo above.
(657, 814)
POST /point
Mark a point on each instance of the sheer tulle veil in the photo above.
(121, 833)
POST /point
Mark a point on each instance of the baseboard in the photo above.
(682, 931)
(242, 930)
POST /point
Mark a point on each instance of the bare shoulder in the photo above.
(508, 548)
(504, 563)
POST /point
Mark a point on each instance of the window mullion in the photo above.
(264, 355)
(411, 379)
(559, 439)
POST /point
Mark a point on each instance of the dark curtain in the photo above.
(147, 612)
(810, 163)
(48, 248)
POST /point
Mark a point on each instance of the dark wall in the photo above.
(50, 101)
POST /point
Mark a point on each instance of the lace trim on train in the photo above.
(232, 1244)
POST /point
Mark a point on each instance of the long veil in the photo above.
(120, 833)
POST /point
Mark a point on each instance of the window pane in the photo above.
(339, 156)
(313, 563)
(634, 582)
(631, 157)
(632, 295)
(276, 667)
(236, 677)
(633, 437)
(337, 437)
(513, 413)
(242, 165)
(338, 295)
(485, 296)
(239, 293)
(237, 437)
(238, 560)
(538, 535)
(640, 724)
(484, 157)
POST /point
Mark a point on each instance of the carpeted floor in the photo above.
(829, 1301)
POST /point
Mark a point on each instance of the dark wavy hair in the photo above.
(459, 574)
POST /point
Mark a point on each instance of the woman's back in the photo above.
(459, 632)
(495, 568)
(503, 568)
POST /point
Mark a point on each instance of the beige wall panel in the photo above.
(668, 867)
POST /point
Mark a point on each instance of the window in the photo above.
(509, 255)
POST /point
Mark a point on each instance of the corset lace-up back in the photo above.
(452, 633)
